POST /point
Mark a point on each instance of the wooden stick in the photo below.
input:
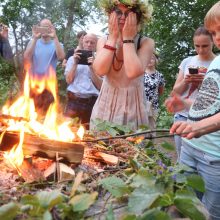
(127, 135)
(108, 158)
(152, 131)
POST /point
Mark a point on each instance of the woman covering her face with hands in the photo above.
(121, 58)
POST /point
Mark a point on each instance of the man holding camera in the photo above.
(43, 52)
(83, 84)
(70, 52)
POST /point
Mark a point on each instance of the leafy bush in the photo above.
(165, 119)
(9, 85)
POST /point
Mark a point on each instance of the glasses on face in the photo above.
(119, 13)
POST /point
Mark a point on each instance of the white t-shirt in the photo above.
(82, 84)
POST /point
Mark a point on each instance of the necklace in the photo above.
(119, 61)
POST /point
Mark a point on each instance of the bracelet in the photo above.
(128, 41)
(109, 47)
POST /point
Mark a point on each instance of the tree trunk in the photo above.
(71, 11)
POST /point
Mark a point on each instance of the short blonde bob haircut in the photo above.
(213, 16)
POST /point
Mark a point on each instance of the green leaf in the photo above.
(134, 164)
(182, 167)
(47, 216)
(165, 200)
(112, 128)
(130, 217)
(9, 211)
(110, 214)
(142, 198)
(30, 200)
(83, 201)
(115, 186)
(180, 178)
(196, 182)
(155, 214)
(168, 146)
(149, 144)
(187, 194)
(48, 200)
(112, 131)
(143, 178)
(188, 209)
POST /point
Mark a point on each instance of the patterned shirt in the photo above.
(207, 104)
(152, 82)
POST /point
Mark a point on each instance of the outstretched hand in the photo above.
(175, 103)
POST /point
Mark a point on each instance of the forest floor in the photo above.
(13, 187)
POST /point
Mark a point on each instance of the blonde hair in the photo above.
(213, 16)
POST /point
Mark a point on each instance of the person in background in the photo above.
(187, 85)
(83, 84)
(201, 132)
(154, 87)
(70, 52)
(5, 48)
(122, 58)
(43, 52)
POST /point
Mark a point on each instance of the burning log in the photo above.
(41, 147)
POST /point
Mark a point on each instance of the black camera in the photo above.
(84, 55)
(193, 70)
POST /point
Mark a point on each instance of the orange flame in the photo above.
(24, 107)
(15, 155)
(80, 132)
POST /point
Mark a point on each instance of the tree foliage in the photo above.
(172, 28)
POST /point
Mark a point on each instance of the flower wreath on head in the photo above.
(141, 7)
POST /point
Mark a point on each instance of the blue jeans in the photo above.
(207, 166)
(177, 138)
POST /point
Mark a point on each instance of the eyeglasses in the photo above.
(119, 13)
